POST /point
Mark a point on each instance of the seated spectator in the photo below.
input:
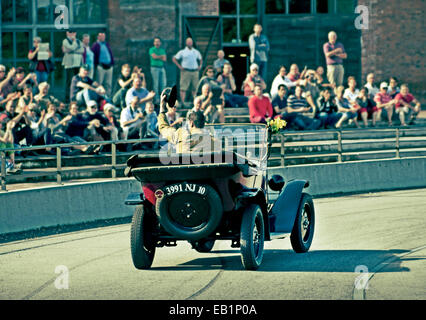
(279, 101)
(210, 79)
(281, 78)
(101, 129)
(21, 80)
(25, 99)
(2, 77)
(43, 98)
(321, 82)
(371, 87)
(151, 119)
(78, 124)
(327, 110)
(21, 126)
(295, 76)
(139, 92)
(6, 141)
(351, 93)
(384, 102)
(36, 118)
(406, 105)
(211, 107)
(124, 83)
(132, 120)
(393, 88)
(138, 73)
(83, 89)
(367, 107)
(173, 118)
(311, 86)
(113, 121)
(227, 82)
(297, 106)
(260, 106)
(349, 111)
(220, 62)
(253, 79)
(55, 130)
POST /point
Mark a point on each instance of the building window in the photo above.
(239, 17)
(275, 6)
(88, 11)
(300, 6)
(16, 11)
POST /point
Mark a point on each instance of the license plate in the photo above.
(184, 187)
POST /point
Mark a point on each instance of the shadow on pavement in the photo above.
(312, 261)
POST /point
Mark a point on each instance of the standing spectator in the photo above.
(227, 82)
(372, 89)
(104, 62)
(42, 68)
(350, 111)
(139, 92)
(158, 58)
(259, 49)
(253, 79)
(393, 89)
(84, 89)
(73, 58)
(189, 66)
(88, 55)
(384, 102)
(220, 62)
(260, 106)
(334, 55)
(281, 78)
(404, 105)
(367, 107)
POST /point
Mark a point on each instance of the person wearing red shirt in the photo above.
(260, 106)
(404, 102)
(384, 102)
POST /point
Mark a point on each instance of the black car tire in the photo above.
(252, 237)
(213, 210)
(142, 239)
(304, 225)
(203, 246)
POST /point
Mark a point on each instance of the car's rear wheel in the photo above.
(303, 229)
(142, 237)
(203, 245)
(190, 215)
(252, 237)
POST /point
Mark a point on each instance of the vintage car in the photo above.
(220, 194)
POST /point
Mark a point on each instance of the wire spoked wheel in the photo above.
(303, 230)
(252, 237)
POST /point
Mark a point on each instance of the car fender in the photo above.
(283, 213)
(255, 196)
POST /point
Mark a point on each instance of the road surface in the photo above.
(370, 246)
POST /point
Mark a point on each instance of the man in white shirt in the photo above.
(189, 62)
(372, 89)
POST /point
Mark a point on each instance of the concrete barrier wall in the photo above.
(84, 202)
(64, 205)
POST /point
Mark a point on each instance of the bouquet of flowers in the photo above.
(275, 125)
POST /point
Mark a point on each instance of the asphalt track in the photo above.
(370, 246)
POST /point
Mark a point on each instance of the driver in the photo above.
(187, 138)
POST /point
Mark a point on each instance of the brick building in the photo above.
(296, 30)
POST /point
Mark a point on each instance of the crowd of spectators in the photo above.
(96, 109)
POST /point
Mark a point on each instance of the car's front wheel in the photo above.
(252, 237)
(303, 229)
(142, 237)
